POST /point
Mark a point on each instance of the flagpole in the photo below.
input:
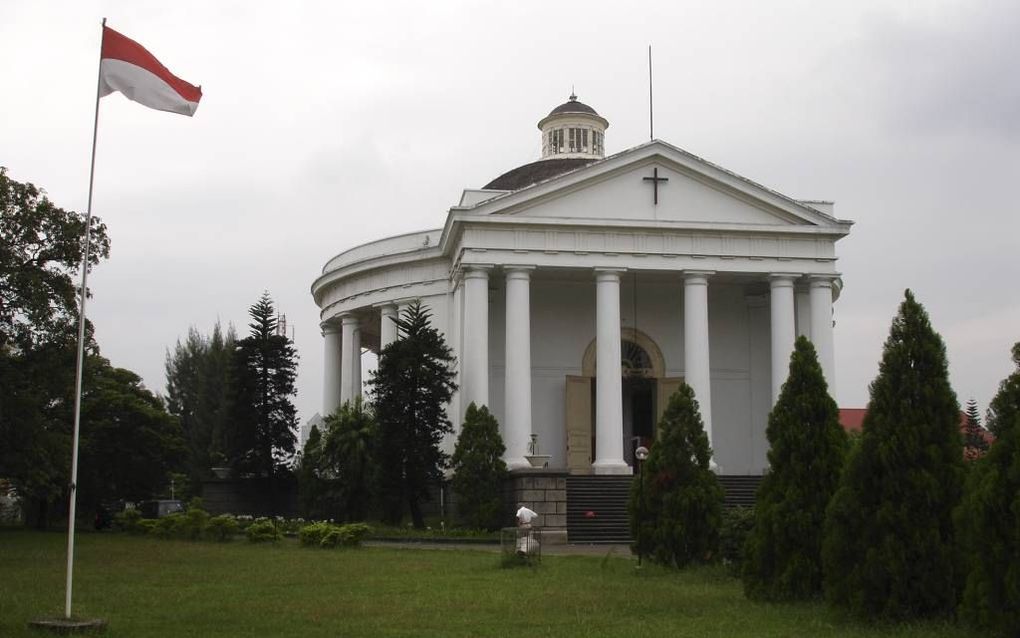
(81, 345)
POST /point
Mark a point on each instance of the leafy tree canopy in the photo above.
(40, 254)
(346, 456)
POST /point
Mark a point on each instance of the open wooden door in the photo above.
(579, 424)
(667, 386)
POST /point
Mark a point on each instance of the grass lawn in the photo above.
(148, 587)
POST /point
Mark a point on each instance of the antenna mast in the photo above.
(651, 121)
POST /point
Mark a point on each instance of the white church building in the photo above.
(578, 291)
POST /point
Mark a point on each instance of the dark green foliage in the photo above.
(988, 521)
(412, 386)
(318, 495)
(328, 535)
(346, 457)
(676, 515)
(807, 445)
(40, 261)
(263, 531)
(888, 550)
(40, 257)
(479, 470)
(737, 523)
(198, 394)
(264, 420)
(223, 528)
(1004, 409)
(974, 443)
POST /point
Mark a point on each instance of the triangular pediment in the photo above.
(688, 189)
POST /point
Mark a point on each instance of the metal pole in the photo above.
(651, 128)
(641, 507)
(81, 349)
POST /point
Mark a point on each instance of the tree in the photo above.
(264, 420)
(479, 470)
(1003, 410)
(988, 520)
(40, 254)
(783, 553)
(317, 493)
(974, 443)
(676, 514)
(198, 394)
(347, 450)
(412, 385)
(888, 550)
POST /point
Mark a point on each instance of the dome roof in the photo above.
(536, 172)
(573, 106)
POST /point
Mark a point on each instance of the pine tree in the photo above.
(676, 509)
(412, 386)
(974, 443)
(988, 520)
(264, 371)
(783, 554)
(479, 470)
(888, 549)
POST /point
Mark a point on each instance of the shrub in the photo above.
(193, 525)
(737, 523)
(129, 521)
(889, 548)
(147, 526)
(263, 531)
(783, 556)
(169, 525)
(479, 470)
(222, 528)
(988, 520)
(675, 516)
(312, 535)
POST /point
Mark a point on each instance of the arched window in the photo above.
(635, 362)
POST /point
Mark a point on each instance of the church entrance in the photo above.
(645, 393)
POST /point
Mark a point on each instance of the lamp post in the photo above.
(641, 453)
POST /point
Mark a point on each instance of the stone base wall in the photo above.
(545, 492)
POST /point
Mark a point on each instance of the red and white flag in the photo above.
(127, 67)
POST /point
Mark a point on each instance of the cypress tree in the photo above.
(677, 511)
(988, 519)
(888, 549)
(783, 553)
(479, 470)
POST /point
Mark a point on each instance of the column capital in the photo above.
(697, 277)
(608, 274)
(475, 271)
(518, 272)
(782, 279)
(329, 327)
(386, 304)
(349, 319)
(822, 281)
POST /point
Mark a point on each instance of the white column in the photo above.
(348, 325)
(517, 426)
(608, 377)
(802, 303)
(356, 362)
(697, 359)
(331, 369)
(821, 327)
(783, 329)
(476, 336)
(387, 328)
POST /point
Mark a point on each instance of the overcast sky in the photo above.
(326, 125)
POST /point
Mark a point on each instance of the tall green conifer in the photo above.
(479, 470)
(988, 520)
(888, 550)
(783, 554)
(676, 510)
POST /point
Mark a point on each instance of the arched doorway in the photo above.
(645, 390)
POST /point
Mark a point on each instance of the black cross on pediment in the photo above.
(655, 179)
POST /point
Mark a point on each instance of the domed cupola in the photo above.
(573, 129)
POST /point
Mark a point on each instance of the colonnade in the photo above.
(342, 374)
